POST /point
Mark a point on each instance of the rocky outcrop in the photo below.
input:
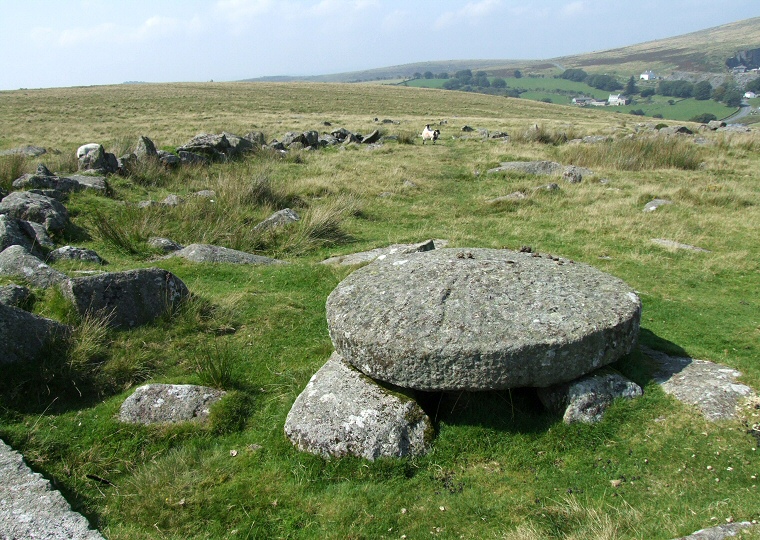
(30, 206)
(15, 232)
(586, 399)
(164, 244)
(216, 254)
(15, 261)
(342, 412)
(30, 508)
(481, 319)
(169, 403)
(127, 299)
(25, 337)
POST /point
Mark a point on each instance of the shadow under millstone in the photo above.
(517, 410)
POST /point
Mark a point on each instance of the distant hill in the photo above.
(705, 51)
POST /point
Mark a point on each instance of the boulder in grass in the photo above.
(14, 295)
(44, 179)
(654, 204)
(481, 319)
(15, 261)
(25, 337)
(16, 232)
(279, 219)
(38, 234)
(341, 412)
(127, 299)
(31, 509)
(71, 253)
(586, 399)
(169, 404)
(38, 208)
(216, 254)
(164, 244)
(145, 149)
(382, 253)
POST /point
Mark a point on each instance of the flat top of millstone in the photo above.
(454, 314)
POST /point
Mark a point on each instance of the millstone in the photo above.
(480, 319)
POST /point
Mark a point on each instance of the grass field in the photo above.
(500, 466)
(561, 92)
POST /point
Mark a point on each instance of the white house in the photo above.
(647, 76)
(618, 99)
(582, 101)
(750, 95)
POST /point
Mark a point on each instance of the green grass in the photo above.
(500, 467)
(562, 91)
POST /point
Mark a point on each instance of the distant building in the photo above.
(618, 99)
(750, 95)
(647, 76)
(582, 101)
(598, 103)
(739, 69)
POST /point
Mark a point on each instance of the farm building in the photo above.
(647, 76)
(618, 99)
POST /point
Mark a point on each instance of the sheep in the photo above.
(430, 134)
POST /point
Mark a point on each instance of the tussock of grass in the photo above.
(543, 135)
(117, 233)
(636, 154)
(11, 167)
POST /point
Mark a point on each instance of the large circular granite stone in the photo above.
(480, 319)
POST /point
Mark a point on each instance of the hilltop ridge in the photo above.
(704, 51)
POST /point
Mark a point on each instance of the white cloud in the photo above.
(575, 8)
(472, 12)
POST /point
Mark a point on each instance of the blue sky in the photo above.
(46, 43)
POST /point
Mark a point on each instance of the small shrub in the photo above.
(637, 112)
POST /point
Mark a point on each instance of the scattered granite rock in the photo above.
(719, 532)
(30, 508)
(712, 388)
(15, 261)
(653, 205)
(371, 138)
(671, 244)
(480, 319)
(38, 234)
(381, 253)
(145, 149)
(205, 193)
(169, 403)
(30, 206)
(216, 254)
(172, 200)
(716, 124)
(586, 399)
(94, 183)
(93, 157)
(516, 196)
(71, 253)
(44, 179)
(24, 337)
(13, 232)
(27, 151)
(164, 244)
(127, 299)
(14, 295)
(342, 412)
(279, 219)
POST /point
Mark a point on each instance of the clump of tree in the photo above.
(703, 118)
(577, 75)
(728, 93)
(703, 90)
(753, 86)
(647, 92)
(603, 82)
(630, 87)
(680, 89)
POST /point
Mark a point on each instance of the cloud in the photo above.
(574, 8)
(472, 12)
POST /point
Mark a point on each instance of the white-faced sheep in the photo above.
(430, 134)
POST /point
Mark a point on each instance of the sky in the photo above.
(59, 43)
